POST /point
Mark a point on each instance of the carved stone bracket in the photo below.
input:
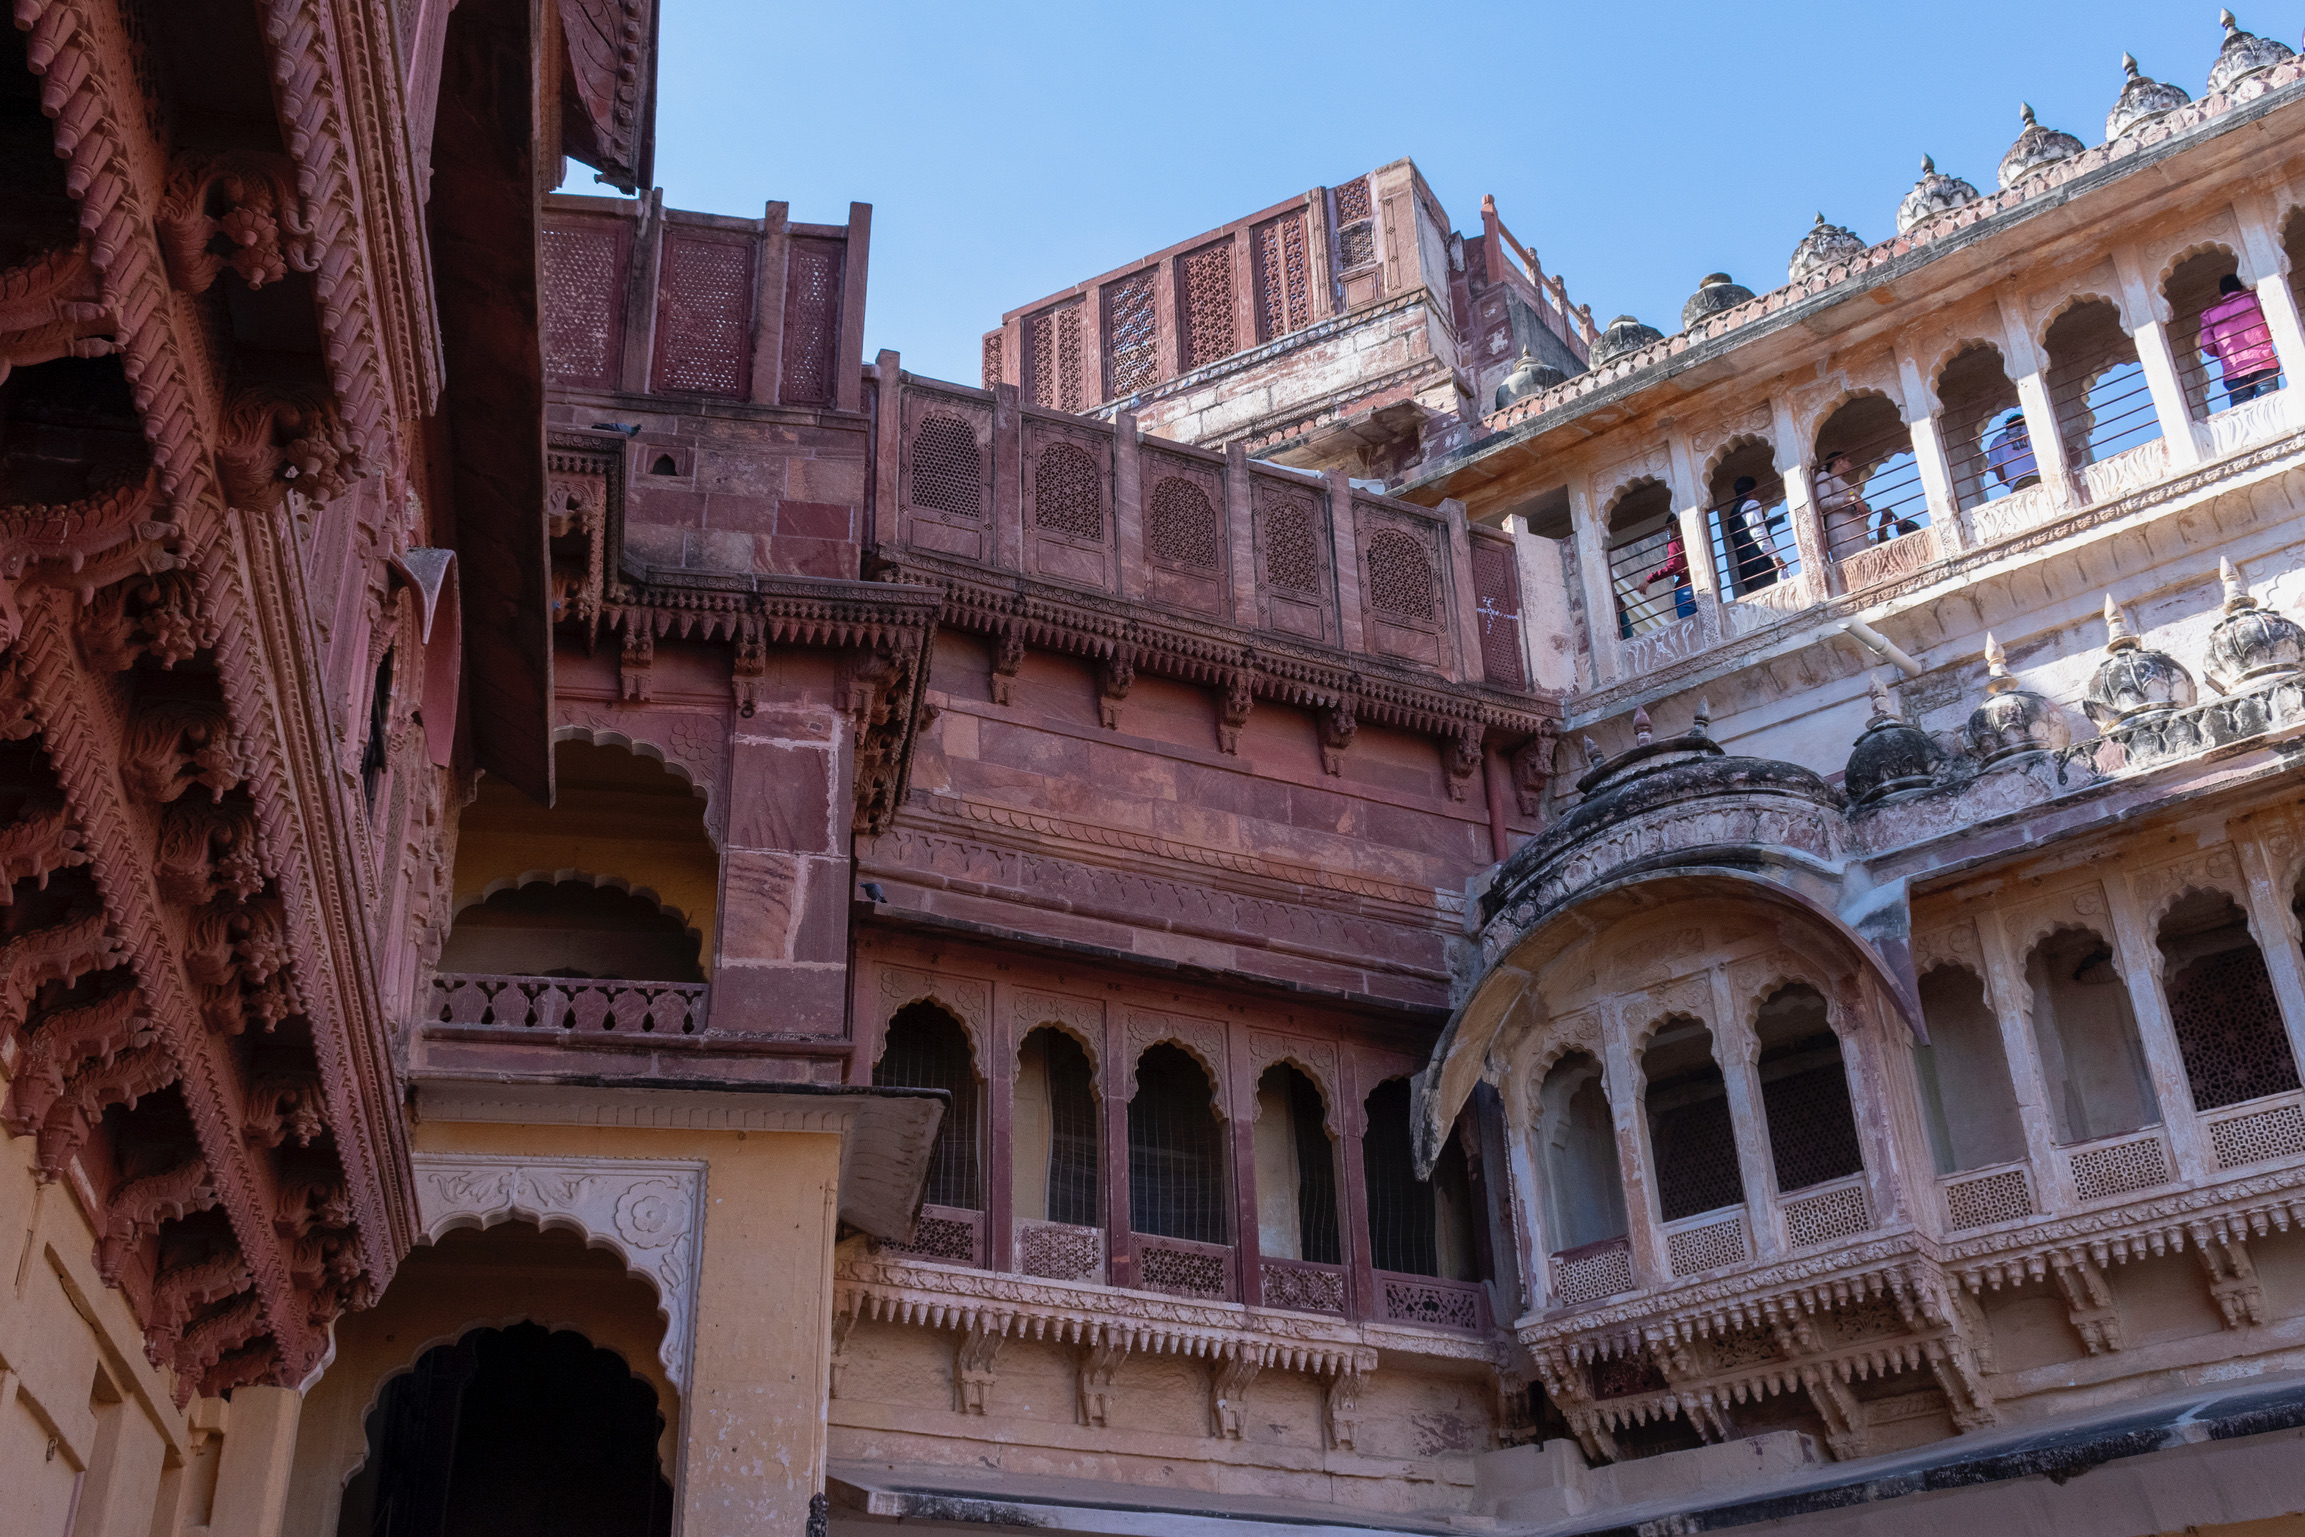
(1338, 725)
(648, 1211)
(1007, 658)
(975, 1367)
(1233, 710)
(1462, 758)
(53, 307)
(2088, 1302)
(1114, 679)
(235, 210)
(1097, 1365)
(1532, 767)
(1229, 1379)
(283, 438)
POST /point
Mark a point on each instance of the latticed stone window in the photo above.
(1805, 1091)
(2221, 1002)
(1356, 225)
(811, 320)
(926, 1048)
(1690, 1138)
(1496, 590)
(1284, 301)
(1052, 354)
(580, 288)
(947, 471)
(1068, 493)
(992, 360)
(704, 316)
(1416, 1227)
(1181, 526)
(1292, 547)
(1400, 577)
(1176, 1161)
(1132, 343)
(1205, 296)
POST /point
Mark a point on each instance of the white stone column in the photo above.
(2011, 997)
(2028, 370)
(1800, 506)
(1644, 1231)
(2151, 334)
(1600, 599)
(2275, 926)
(2262, 246)
(1929, 451)
(1734, 1050)
(1527, 1196)
(2140, 961)
(1689, 510)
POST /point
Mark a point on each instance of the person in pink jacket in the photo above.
(2233, 331)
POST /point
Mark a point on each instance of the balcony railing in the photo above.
(1983, 1197)
(2118, 1165)
(1707, 1241)
(1182, 1268)
(1059, 1251)
(2257, 1130)
(1308, 1288)
(1827, 1213)
(570, 1003)
(950, 1235)
(1592, 1271)
(1432, 1303)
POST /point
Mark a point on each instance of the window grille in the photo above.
(1052, 347)
(1357, 244)
(1181, 526)
(812, 320)
(926, 1048)
(1072, 1158)
(1283, 303)
(1751, 531)
(1132, 345)
(373, 760)
(1988, 1199)
(1805, 1093)
(992, 360)
(1404, 1227)
(2103, 402)
(2116, 1168)
(1353, 201)
(1316, 1172)
(1068, 493)
(947, 471)
(1400, 577)
(1496, 588)
(1690, 1137)
(1867, 480)
(704, 316)
(2229, 1029)
(1292, 547)
(1175, 1150)
(581, 284)
(1206, 280)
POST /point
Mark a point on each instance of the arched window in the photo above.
(1068, 493)
(2217, 330)
(1296, 1171)
(1805, 1091)
(2091, 1058)
(1988, 446)
(2221, 1001)
(1176, 1159)
(573, 928)
(1650, 588)
(1868, 482)
(1416, 1227)
(1577, 1135)
(926, 1048)
(1181, 527)
(664, 466)
(2098, 389)
(1752, 537)
(1054, 1140)
(947, 474)
(1691, 1139)
(1967, 1098)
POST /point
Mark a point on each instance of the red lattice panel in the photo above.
(1292, 546)
(992, 360)
(1180, 526)
(1497, 592)
(583, 282)
(1131, 339)
(704, 316)
(2229, 1030)
(1400, 577)
(1353, 201)
(947, 472)
(1052, 353)
(1205, 284)
(812, 321)
(1283, 283)
(1068, 493)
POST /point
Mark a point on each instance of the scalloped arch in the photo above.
(1615, 499)
(1953, 351)
(574, 877)
(978, 1050)
(2074, 301)
(1215, 1074)
(1833, 405)
(2231, 248)
(1327, 1093)
(1735, 444)
(1078, 1037)
(640, 747)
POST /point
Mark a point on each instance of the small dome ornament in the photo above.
(1716, 293)
(2250, 642)
(2244, 55)
(1824, 245)
(2036, 149)
(1527, 378)
(1891, 755)
(2134, 682)
(2143, 100)
(2013, 719)
(1623, 335)
(1933, 194)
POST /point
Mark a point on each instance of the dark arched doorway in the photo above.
(519, 1432)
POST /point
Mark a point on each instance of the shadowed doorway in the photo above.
(515, 1432)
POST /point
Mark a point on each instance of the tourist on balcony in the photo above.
(1841, 501)
(2233, 331)
(1676, 566)
(1747, 531)
(2010, 455)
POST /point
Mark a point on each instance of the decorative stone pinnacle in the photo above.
(1592, 753)
(1998, 679)
(1884, 704)
(2236, 591)
(1928, 168)
(1641, 728)
(2025, 111)
(2129, 65)
(2118, 635)
(1704, 718)
(2226, 17)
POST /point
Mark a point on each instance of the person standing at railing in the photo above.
(1841, 500)
(2010, 455)
(1676, 566)
(1742, 525)
(2233, 331)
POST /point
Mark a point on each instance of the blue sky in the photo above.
(1013, 149)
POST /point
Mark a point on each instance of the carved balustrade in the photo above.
(949, 1235)
(1182, 1268)
(1709, 1240)
(1592, 1271)
(1305, 1287)
(1060, 1251)
(1432, 1303)
(574, 1004)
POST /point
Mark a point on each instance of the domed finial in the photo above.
(2025, 111)
(2118, 636)
(1592, 753)
(1704, 718)
(1820, 218)
(1641, 728)
(1884, 704)
(1997, 676)
(1928, 168)
(2129, 65)
(2226, 17)
(2236, 591)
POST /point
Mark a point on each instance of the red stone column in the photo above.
(1248, 1252)
(768, 305)
(848, 362)
(1119, 1084)
(1353, 1196)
